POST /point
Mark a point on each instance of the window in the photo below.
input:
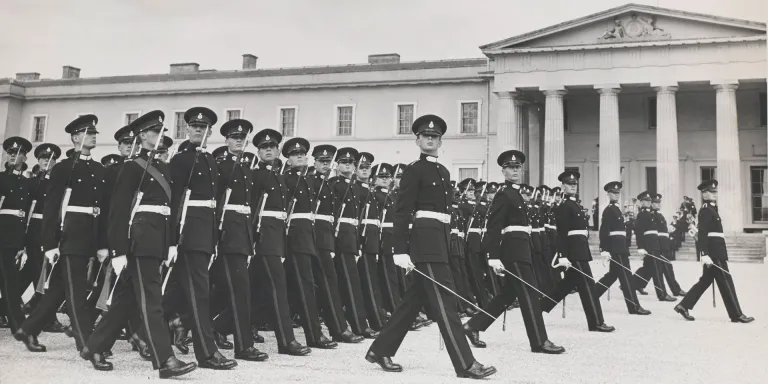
(467, 173)
(288, 121)
(651, 113)
(345, 117)
(763, 110)
(758, 194)
(180, 128)
(38, 128)
(470, 117)
(130, 117)
(405, 118)
(233, 114)
(650, 179)
(708, 173)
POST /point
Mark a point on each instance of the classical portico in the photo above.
(640, 65)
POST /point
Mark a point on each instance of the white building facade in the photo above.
(657, 98)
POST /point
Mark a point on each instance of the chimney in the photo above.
(180, 68)
(27, 76)
(70, 72)
(249, 61)
(385, 58)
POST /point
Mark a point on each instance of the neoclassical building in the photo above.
(657, 98)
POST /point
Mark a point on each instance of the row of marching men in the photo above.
(159, 244)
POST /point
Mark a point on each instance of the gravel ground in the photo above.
(661, 348)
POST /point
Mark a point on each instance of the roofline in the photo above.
(747, 24)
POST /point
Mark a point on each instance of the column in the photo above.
(728, 158)
(610, 143)
(667, 157)
(554, 136)
(534, 140)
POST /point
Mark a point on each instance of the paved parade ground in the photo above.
(661, 348)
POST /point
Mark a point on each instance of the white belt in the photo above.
(716, 234)
(441, 217)
(202, 203)
(618, 233)
(327, 218)
(12, 212)
(455, 232)
(549, 226)
(305, 216)
(239, 208)
(461, 234)
(537, 229)
(87, 210)
(387, 225)
(578, 232)
(516, 228)
(410, 226)
(651, 233)
(37, 216)
(275, 214)
(159, 209)
(348, 221)
(485, 230)
(474, 230)
(375, 222)
(663, 234)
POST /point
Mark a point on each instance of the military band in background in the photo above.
(159, 242)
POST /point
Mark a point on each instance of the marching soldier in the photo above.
(139, 232)
(665, 245)
(574, 255)
(387, 269)
(469, 207)
(508, 245)
(193, 206)
(73, 229)
(613, 247)
(15, 199)
(325, 270)
(457, 258)
(269, 199)
(646, 231)
(162, 150)
(426, 194)
(714, 257)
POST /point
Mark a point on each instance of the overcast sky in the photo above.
(121, 37)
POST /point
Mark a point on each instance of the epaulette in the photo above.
(412, 163)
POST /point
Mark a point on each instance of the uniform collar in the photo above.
(429, 158)
(85, 157)
(382, 189)
(16, 172)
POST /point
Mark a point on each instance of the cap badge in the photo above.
(200, 116)
(297, 145)
(15, 144)
(130, 133)
(47, 150)
(160, 119)
(267, 138)
(325, 153)
(347, 154)
(431, 124)
(513, 158)
(239, 129)
(94, 122)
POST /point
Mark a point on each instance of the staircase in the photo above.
(742, 248)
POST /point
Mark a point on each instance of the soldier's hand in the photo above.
(51, 255)
(21, 258)
(102, 254)
(605, 254)
(403, 261)
(497, 266)
(333, 254)
(706, 260)
(119, 263)
(172, 254)
(642, 252)
(563, 262)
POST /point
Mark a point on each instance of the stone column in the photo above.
(610, 143)
(554, 136)
(728, 158)
(509, 130)
(668, 178)
(534, 140)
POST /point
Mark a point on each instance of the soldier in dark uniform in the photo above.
(73, 229)
(162, 150)
(457, 258)
(646, 231)
(573, 252)
(302, 252)
(387, 270)
(426, 194)
(15, 199)
(347, 242)
(714, 258)
(324, 269)
(235, 242)
(508, 245)
(193, 206)
(614, 246)
(665, 245)
(473, 248)
(139, 237)
(551, 231)
(269, 203)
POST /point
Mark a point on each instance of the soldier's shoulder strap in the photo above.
(156, 174)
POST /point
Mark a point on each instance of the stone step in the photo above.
(748, 248)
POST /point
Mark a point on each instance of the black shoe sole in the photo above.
(548, 352)
(218, 367)
(373, 361)
(187, 369)
(464, 375)
(257, 359)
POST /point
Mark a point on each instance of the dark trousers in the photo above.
(476, 274)
(616, 272)
(369, 281)
(302, 286)
(458, 270)
(233, 292)
(11, 289)
(390, 287)
(529, 304)
(440, 303)
(651, 270)
(543, 271)
(351, 291)
(724, 284)
(139, 290)
(191, 272)
(669, 275)
(329, 298)
(268, 272)
(586, 288)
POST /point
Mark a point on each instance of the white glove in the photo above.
(102, 254)
(21, 258)
(403, 261)
(282, 260)
(172, 254)
(119, 263)
(333, 254)
(706, 260)
(359, 254)
(51, 255)
(249, 260)
(605, 254)
(563, 262)
(642, 252)
(496, 265)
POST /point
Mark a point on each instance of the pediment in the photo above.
(632, 23)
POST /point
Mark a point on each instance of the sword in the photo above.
(111, 293)
(638, 276)
(720, 268)
(454, 293)
(606, 287)
(167, 277)
(657, 258)
(531, 286)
